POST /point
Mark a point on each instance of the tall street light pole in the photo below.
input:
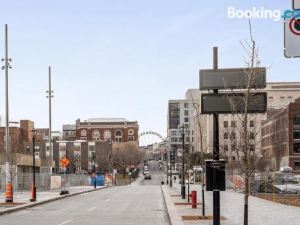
(33, 190)
(50, 96)
(8, 181)
(216, 151)
(183, 162)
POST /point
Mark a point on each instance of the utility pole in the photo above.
(50, 96)
(8, 181)
(216, 193)
(183, 162)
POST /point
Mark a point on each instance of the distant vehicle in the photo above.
(147, 175)
(145, 171)
(268, 187)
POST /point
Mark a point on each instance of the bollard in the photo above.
(194, 199)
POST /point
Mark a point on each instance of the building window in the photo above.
(107, 135)
(186, 112)
(251, 123)
(173, 139)
(186, 119)
(225, 135)
(187, 139)
(297, 165)
(83, 138)
(232, 135)
(252, 148)
(297, 120)
(96, 134)
(233, 147)
(118, 136)
(83, 133)
(131, 132)
(297, 134)
(186, 105)
(233, 124)
(225, 124)
(251, 135)
(297, 147)
(174, 105)
(271, 98)
(173, 133)
(290, 97)
(282, 98)
(118, 139)
(130, 138)
(233, 158)
(225, 148)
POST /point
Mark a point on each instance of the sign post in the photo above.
(64, 162)
(227, 102)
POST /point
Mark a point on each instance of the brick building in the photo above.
(101, 129)
(280, 136)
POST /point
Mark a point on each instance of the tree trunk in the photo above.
(246, 197)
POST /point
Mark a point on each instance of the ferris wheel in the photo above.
(150, 137)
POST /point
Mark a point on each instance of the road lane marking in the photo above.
(91, 209)
(66, 221)
(107, 200)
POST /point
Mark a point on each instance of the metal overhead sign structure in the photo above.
(224, 103)
(296, 4)
(234, 78)
(292, 32)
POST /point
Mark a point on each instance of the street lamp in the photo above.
(182, 132)
(33, 190)
(8, 180)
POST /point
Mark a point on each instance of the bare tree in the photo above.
(124, 155)
(202, 147)
(243, 141)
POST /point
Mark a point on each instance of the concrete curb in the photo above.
(174, 217)
(30, 205)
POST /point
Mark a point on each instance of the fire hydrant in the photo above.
(194, 199)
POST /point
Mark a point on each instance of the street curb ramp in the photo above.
(175, 218)
(30, 205)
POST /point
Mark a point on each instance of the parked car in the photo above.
(147, 175)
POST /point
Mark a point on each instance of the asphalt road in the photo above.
(139, 203)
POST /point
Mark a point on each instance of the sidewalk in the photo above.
(261, 212)
(22, 199)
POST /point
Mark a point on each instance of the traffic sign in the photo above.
(296, 4)
(234, 78)
(226, 103)
(64, 162)
(292, 36)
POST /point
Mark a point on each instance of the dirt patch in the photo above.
(195, 217)
(184, 203)
(293, 200)
(11, 204)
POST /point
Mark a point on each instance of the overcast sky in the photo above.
(125, 58)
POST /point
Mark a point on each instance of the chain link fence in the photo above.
(23, 181)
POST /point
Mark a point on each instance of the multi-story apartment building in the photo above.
(180, 113)
(280, 137)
